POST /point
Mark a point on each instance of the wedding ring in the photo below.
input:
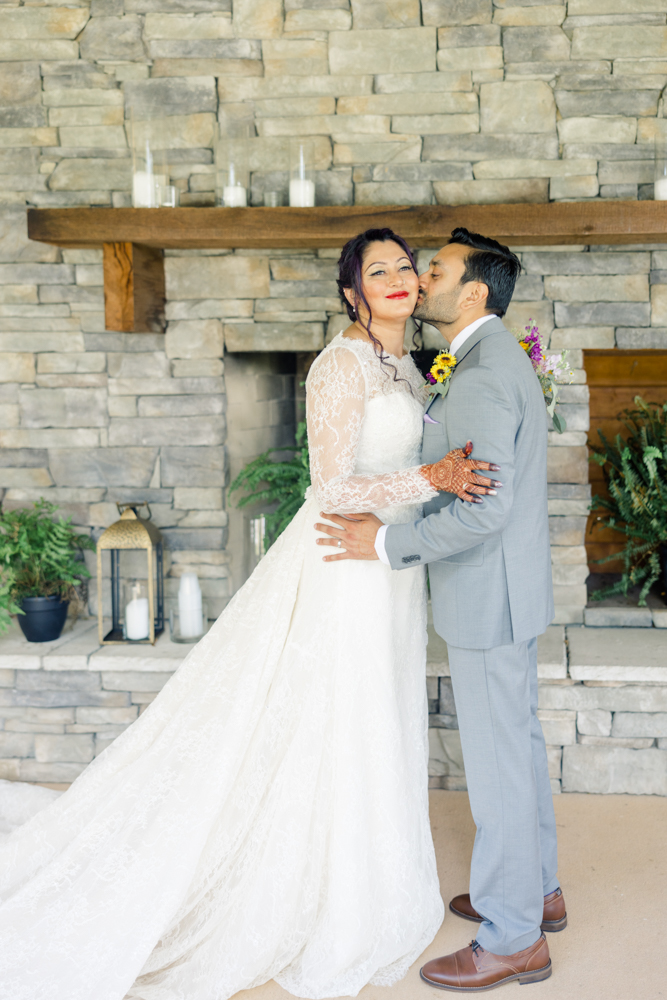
(339, 543)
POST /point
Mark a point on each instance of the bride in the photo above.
(267, 816)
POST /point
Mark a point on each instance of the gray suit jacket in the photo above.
(490, 563)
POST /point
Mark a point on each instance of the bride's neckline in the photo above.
(367, 343)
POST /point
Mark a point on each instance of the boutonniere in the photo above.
(440, 374)
(547, 369)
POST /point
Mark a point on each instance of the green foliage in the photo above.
(279, 486)
(635, 471)
(39, 557)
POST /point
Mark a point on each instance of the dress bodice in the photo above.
(365, 422)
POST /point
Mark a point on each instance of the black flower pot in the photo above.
(43, 619)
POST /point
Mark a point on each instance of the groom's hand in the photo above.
(354, 535)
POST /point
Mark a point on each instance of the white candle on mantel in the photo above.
(136, 618)
(190, 606)
(235, 196)
(143, 189)
(301, 193)
(660, 189)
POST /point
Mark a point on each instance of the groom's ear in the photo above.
(476, 295)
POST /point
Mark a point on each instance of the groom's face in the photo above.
(441, 293)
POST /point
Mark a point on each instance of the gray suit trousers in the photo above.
(514, 860)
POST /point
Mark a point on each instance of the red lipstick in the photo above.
(398, 295)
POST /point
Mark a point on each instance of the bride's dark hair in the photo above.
(350, 265)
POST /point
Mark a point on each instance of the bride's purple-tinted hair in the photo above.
(350, 265)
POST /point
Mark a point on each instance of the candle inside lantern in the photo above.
(190, 606)
(136, 615)
(660, 189)
(234, 196)
(301, 193)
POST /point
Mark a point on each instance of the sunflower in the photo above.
(443, 366)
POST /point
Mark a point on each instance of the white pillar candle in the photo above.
(189, 606)
(143, 189)
(660, 190)
(235, 196)
(136, 618)
(301, 193)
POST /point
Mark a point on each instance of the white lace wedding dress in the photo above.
(267, 816)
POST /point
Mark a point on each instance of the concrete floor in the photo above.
(613, 869)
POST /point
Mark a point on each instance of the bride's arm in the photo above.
(335, 401)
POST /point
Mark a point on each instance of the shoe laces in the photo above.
(476, 946)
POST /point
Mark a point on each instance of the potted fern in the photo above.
(635, 471)
(279, 485)
(41, 563)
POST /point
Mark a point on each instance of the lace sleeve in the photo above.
(335, 402)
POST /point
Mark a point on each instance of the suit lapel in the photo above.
(494, 325)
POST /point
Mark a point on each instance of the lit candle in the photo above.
(660, 189)
(136, 618)
(301, 193)
(235, 196)
(190, 607)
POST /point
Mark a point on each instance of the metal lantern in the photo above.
(137, 615)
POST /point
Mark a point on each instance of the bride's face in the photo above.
(389, 283)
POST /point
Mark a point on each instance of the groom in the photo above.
(490, 576)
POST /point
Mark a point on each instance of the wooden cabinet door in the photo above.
(615, 377)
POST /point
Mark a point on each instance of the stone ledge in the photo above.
(618, 617)
(659, 618)
(78, 648)
(630, 655)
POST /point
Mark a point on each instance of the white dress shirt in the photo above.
(458, 342)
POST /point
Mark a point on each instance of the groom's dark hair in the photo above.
(492, 264)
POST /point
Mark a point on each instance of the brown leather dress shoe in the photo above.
(473, 969)
(554, 917)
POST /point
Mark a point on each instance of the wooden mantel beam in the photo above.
(604, 221)
(133, 238)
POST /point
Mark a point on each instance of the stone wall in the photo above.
(602, 704)
(92, 417)
(451, 101)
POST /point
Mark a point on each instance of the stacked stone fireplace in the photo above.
(409, 102)
(95, 417)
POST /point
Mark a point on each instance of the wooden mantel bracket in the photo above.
(134, 293)
(133, 238)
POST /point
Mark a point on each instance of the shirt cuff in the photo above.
(379, 545)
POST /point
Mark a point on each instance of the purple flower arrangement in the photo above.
(546, 368)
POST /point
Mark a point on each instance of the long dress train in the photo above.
(267, 816)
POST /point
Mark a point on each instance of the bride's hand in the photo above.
(456, 473)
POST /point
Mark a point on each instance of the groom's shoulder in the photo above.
(498, 348)
(499, 357)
